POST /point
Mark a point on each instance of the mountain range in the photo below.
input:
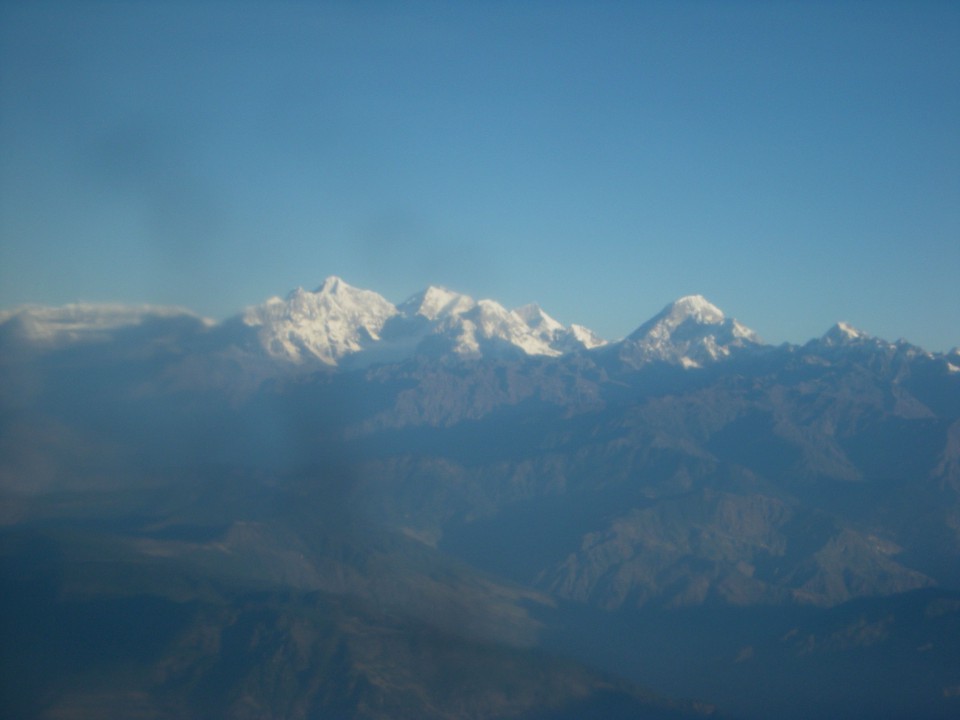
(332, 506)
(338, 325)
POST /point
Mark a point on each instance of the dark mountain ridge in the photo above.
(732, 506)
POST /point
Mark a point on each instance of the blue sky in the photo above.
(797, 163)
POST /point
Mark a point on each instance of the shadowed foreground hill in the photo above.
(183, 621)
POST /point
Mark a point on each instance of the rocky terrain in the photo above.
(331, 506)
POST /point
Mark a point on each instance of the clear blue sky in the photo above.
(797, 163)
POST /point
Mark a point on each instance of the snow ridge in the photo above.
(844, 334)
(327, 324)
(436, 303)
(339, 323)
(690, 332)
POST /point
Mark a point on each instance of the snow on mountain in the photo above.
(439, 321)
(492, 323)
(436, 303)
(327, 324)
(689, 332)
(844, 334)
(338, 323)
(586, 337)
(953, 360)
(843, 337)
(538, 321)
(552, 332)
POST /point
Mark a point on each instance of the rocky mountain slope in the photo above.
(450, 474)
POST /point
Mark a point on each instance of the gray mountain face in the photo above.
(625, 504)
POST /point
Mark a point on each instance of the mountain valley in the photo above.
(333, 506)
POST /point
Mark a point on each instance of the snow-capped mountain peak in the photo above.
(338, 320)
(339, 324)
(335, 320)
(693, 307)
(690, 331)
(586, 337)
(497, 324)
(537, 320)
(332, 286)
(559, 338)
(436, 302)
(440, 320)
(844, 334)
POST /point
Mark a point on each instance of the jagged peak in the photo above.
(335, 320)
(687, 309)
(586, 337)
(689, 331)
(529, 312)
(333, 284)
(491, 306)
(843, 333)
(535, 317)
(435, 302)
(695, 307)
(334, 291)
